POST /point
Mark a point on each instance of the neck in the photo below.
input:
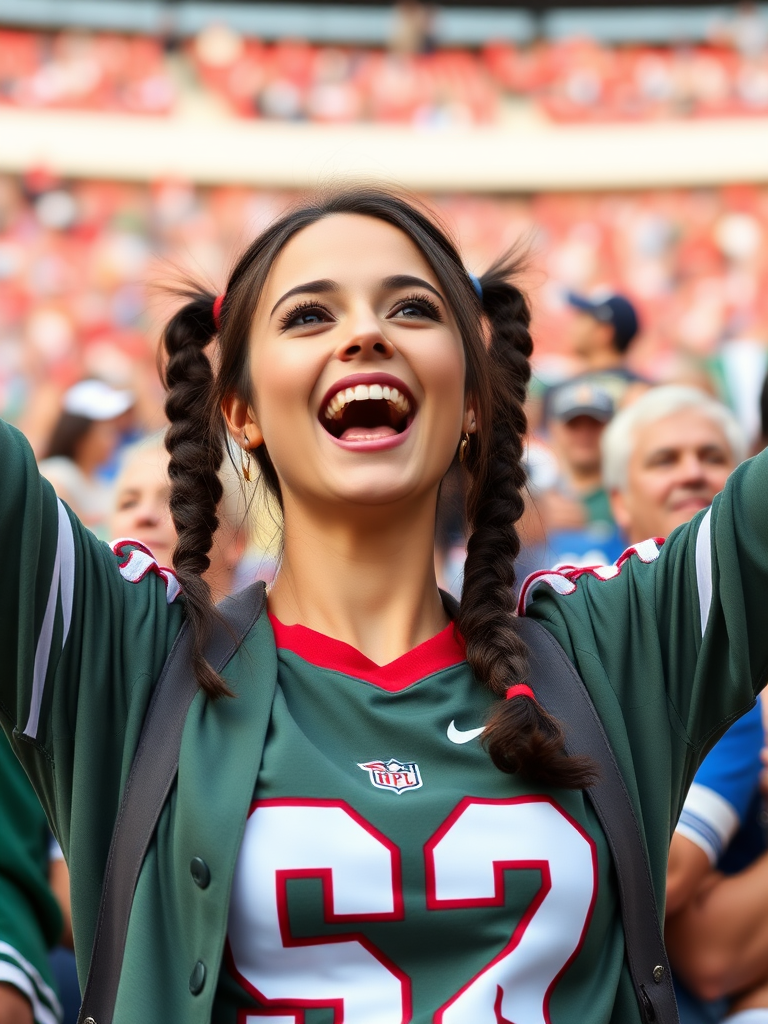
(584, 481)
(603, 359)
(367, 579)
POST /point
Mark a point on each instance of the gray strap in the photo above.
(151, 778)
(561, 691)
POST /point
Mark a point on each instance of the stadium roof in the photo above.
(355, 21)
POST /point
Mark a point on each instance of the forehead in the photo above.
(145, 469)
(684, 429)
(347, 247)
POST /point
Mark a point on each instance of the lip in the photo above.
(695, 503)
(379, 444)
(368, 378)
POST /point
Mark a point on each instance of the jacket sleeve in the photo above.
(84, 631)
(685, 619)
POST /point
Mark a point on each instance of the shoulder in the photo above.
(135, 562)
(568, 580)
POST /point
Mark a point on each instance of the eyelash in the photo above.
(422, 300)
(309, 304)
(299, 308)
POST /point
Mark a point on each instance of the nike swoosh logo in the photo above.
(461, 736)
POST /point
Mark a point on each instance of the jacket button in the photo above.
(200, 872)
(197, 978)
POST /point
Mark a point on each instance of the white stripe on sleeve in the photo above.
(708, 820)
(704, 568)
(27, 979)
(62, 582)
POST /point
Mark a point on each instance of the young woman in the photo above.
(374, 821)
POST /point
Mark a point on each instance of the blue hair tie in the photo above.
(477, 285)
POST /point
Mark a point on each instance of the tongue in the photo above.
(367, 433)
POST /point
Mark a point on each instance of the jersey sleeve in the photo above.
(84, 632)
(718, 801)
(684, 620)
(30, 918)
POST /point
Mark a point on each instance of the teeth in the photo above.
(362, 393)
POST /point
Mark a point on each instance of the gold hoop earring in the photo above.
(463, 445)
(246, 460)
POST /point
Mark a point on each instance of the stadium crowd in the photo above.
(413, 80)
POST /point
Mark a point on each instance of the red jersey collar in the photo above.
(440, 652)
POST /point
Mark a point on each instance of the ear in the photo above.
(620, 511)
(241, 422)
(469, 423)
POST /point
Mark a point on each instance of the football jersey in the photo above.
(671, 643)
(387, 863)
(724, 788)
(30, 917)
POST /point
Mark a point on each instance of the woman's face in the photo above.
(356, 366)
(141, 503)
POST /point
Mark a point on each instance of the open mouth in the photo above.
(367, 412)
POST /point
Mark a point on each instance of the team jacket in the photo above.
(672, 643)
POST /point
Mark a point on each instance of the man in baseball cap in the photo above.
(602, 329)
(565, 482)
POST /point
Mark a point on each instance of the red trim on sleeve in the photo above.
(440, 652)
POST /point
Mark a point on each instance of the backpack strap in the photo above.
(151, 778)
(560, 690)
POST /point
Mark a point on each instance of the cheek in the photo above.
(282, 377)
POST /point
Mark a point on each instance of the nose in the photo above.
(692, 469)
(148, 514)
(366, 340)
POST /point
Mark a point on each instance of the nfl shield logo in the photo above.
(393, 774)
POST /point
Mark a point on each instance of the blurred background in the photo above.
(625, 147)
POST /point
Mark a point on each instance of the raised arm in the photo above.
(84, 635)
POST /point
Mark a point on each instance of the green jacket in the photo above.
(85, 633)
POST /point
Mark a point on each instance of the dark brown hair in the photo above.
(69, 431)
(520, 736)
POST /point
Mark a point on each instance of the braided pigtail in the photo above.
(196, 447)
(521, 737)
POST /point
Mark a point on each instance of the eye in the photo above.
(417, 307)
(305, 314)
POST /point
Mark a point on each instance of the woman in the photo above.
(85, 437)
(339, 844)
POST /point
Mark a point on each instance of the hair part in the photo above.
(520, 736)
(619, 437)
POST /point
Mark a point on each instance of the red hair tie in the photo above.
(520, 690)
(218, 302)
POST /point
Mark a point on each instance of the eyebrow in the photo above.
(408, 281)
(325, 285)
(705, 449)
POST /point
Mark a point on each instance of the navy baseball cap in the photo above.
(610, 309)
(579, 398)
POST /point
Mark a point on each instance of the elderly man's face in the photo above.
(678, 464)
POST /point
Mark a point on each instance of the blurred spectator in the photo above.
(763, 439)
(666, 457)
(141, 512)
(566, 487)
(602, 330)
(84, 439)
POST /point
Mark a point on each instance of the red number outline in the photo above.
(499, 868)
(326, 877)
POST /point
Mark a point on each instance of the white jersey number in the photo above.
(466, 860)
(361, 878)
(360, 870)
